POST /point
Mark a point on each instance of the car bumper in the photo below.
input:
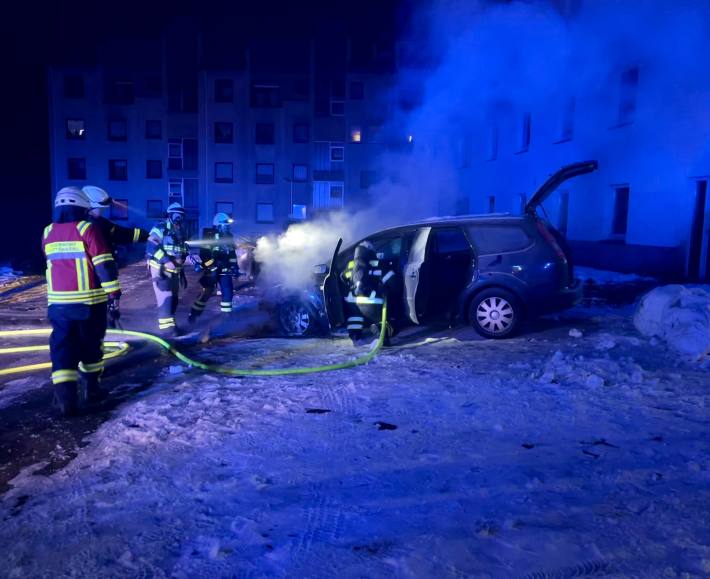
(563, 299)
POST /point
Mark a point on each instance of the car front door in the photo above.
(332, 295)
(416, 278)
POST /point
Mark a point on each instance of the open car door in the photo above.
(332, 295)
(416, 282)
(556, 179)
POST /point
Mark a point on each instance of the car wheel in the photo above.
(495, 313)
(296, 319)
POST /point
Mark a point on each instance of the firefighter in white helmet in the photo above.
(113, 233)
(167, 251)
(218, 265)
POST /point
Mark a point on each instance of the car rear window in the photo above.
(490, 239)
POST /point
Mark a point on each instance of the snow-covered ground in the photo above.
(579, 448)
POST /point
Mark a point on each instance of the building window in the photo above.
(76, 169)
(76, 129)
(73, 86)
(491, 204)
(525, 134)
(119, 92)
(627, 96)
(191, 193)
(265, 173)
(355, 135)
(337, 108)
(189, 154)
(367, 179)
(300, 173)
(337, 153)
(264, 212)
(336, 191)
(265, 96)
(264, 133)
(621, 211)
(298, 212)
(154, 209)
(175, 154)
(153, 129)
(118, 169)
(119, 209)
(223, 132)
(300, 133)
(223, 90)
(357, 90)
(175, 191)
(117, 130)
(153, 169)
(224, 172)
(224, 207)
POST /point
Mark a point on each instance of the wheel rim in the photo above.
(495, 315)
(295, 319)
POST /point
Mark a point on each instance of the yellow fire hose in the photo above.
(120, 348)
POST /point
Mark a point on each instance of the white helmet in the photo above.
(72, 197)
(99, 198)
(222, 219)
(175, 208)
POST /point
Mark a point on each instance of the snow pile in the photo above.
(8, 275)
(589, 372)
(601, 277)
(679, 315)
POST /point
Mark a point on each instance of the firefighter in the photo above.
(113, 233)
(81, 279)
(219, 264)
(166, 251)
(368, 287)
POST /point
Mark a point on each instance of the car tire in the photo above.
(495, 313)
(296, 319)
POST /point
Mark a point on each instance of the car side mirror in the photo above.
(320, 269)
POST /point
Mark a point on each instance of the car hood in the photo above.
(556, 179)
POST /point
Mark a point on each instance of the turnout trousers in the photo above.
(167, 295)
(76, 351)
(209, 282)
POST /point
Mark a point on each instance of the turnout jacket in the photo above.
(166, 249)
(118, 235)
(80, 265)
(220, 256)
(367, 277)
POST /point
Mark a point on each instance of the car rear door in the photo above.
(332, 295)
(416, 278)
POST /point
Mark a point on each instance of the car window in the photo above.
(451, 240)
(490, 239)
(387, 247)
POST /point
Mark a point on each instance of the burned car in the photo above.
(490, 271)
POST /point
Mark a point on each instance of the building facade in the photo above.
(276, 135)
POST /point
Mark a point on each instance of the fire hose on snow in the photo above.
(118, 348)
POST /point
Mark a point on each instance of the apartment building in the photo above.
(646, 209)
(275, 134)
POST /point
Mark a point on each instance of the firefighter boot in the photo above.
(90, 391)
(66, 399)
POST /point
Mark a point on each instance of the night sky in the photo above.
(70, 32)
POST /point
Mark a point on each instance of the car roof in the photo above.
(455, 220)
